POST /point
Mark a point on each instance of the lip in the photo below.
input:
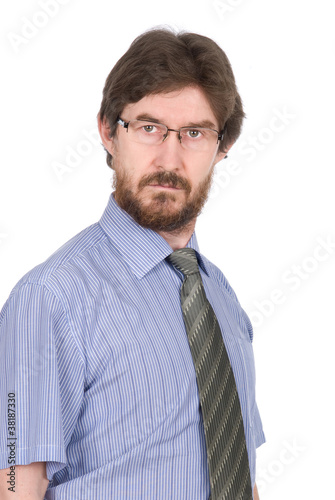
(164, 186)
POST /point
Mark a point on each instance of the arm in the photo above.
(256, 496)
(30, 481)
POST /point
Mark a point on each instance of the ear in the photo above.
(222, 154)
(104, 131)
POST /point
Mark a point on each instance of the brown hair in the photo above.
(161, 61)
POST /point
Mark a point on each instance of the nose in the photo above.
(170, 152)
(172, 130)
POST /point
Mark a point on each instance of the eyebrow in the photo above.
(147, 118)
(202, 124)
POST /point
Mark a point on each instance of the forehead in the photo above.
(177, 108)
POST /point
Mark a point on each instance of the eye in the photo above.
(194, 133)
(149, 128)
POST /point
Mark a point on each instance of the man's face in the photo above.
(163, 186)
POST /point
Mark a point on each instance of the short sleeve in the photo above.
(259, 435)
(42, 373)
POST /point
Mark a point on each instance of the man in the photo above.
(97, 353)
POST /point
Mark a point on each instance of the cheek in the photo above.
(218, 156)
(202, 168)
(134, 165)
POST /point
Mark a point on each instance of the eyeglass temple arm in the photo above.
(123, 123)
(221, 134)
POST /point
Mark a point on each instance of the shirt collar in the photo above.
(141, 248)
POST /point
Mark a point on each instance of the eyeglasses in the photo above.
(152, 134)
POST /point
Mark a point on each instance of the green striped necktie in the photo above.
(227, 454)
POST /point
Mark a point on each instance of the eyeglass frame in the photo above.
(125, 125)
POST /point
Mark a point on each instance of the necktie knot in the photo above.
(185, 260)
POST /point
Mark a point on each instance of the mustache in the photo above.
(169, 178)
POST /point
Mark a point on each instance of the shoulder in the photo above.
(54, 269)
(217, 275)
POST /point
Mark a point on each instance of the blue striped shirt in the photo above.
(94, 347)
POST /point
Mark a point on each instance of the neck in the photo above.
(179, 238)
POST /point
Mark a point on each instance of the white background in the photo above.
(272, 203)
